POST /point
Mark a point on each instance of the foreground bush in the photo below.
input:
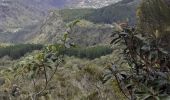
(148, 77)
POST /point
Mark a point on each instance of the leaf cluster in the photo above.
(148, 77)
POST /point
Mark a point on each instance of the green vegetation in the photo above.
(73, 14)
(120, 11)
(148, 75)
(154, 15)
(74, 79)
(49, 75)
(17, 51)
(153, 19)
(89, 52)
(137, 68)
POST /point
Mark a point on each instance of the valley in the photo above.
(63, 16)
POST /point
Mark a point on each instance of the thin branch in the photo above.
(45, 74)
(117, 79)
(47, 82)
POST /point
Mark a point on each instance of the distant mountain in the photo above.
(95, 25)
(119, 11)
(22, 20)
(51, 29)
(14, 15)
(20, 17)
(85, 33)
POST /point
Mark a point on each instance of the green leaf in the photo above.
(129, 86)
(163, 50)
(75, 22)
(165, 97)
(146, 97)
(146, 48)
(114, 40)
(65, 36)
(157, 98)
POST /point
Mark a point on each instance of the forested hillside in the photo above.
(19, 33)
(120, 11)
(17, 51)
(95, 24)
(85, 33)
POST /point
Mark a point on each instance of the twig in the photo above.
(47, 82)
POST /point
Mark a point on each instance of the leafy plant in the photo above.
(148, 77)
(41, 68)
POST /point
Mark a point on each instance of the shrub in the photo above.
(148, 76)
(153, 15)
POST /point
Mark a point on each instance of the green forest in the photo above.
(102, 15)
(89, 53)
(19, 50)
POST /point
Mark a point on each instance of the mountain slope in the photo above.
(50, 30)
(14, 15)
(94, 26)
(84, 33)
(19, 19)
(120, 11)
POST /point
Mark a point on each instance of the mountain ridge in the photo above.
(89, 31)
(34, 32)
(16, 14)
